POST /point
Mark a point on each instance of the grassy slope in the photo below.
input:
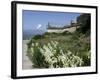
(77, 43)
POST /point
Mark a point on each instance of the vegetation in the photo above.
(59, 50)
(53, 56)
(85, 22)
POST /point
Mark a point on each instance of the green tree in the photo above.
(85, 22)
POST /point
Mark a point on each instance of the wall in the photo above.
(5, 40)
(72, 29)
(54, 30)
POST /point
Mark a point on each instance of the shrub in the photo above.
(50, 55)
(85, 22)
(65, 33)
(38, 37)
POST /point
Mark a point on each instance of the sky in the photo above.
(33, 20)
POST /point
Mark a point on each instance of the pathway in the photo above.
(26, 63)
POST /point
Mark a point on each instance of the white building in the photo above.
(70, 28)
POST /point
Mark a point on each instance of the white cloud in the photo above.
(39, 26)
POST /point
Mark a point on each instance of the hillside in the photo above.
(78, 44)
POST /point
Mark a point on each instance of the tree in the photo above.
(85, 22)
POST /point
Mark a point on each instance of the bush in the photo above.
(52, 56)
(66, 33)
(38, 37)
(85, 22)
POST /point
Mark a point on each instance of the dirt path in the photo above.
(26, 63)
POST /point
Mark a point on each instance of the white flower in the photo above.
(32, 50)
(36, 44)
(67, 58)
(33, 44)
(69, 52)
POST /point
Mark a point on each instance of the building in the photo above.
(70, 28)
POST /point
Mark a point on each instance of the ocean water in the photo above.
(27, 34)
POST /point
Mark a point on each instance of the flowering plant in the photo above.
(51, 55)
